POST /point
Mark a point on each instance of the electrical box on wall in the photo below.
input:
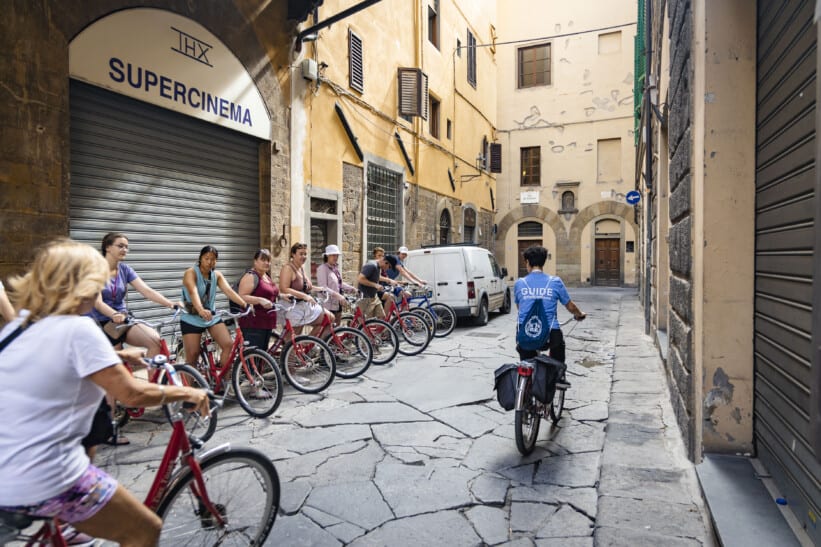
(309, 69)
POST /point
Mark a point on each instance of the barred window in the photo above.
(384, 207)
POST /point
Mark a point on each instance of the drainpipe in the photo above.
(648, 152)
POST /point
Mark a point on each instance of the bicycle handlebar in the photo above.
(161, 361)
(132, 320)
(232, 315)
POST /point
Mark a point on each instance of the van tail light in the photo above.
(471, 290)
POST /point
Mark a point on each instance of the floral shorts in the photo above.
(80, 502)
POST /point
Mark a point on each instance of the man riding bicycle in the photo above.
(538, 286)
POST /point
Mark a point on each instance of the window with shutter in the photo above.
(433, 121)
(433, 23)
(413, 92)
(495, 157)
(531, 166)
(471, 59)
(356, 74)
(534, 66)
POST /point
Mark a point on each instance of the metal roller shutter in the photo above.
(785, 201)
(171, 183)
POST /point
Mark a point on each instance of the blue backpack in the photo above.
(534, 331)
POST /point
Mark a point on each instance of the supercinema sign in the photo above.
(167, 60)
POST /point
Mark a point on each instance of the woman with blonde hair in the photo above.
(44, 470)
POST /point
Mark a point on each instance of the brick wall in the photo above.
(34, 125)
(680, 357)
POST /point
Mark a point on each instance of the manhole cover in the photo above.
(484, 334)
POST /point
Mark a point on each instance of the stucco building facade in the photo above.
(371, 170)
(565, 125)
(730, 232)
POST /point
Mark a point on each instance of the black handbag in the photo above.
(546, 373)
(505, 379)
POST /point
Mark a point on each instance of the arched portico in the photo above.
(568, 241)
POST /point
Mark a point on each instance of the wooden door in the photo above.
(523, 245)
(608, 262)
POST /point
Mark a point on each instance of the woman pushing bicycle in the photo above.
(110, 309)
(199, 293)
(293, 282)
(44, 470)
(258, 289)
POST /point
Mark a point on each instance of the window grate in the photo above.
(384, 207)
(444, 227)
(530, 229)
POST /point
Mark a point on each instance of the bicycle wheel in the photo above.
(257, 383)
(198, 426)
(352, 351)
(242, 486)
(527, 423)
(308, 364)
(445, 319)
(427, 317)
(413, 333)
(557, 406)
(383, 339)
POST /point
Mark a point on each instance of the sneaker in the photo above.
(260, 393)
(75, 538)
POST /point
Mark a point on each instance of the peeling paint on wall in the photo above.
(720, 395)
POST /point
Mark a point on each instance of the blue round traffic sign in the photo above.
(633, 197)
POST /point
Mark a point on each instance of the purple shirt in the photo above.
(115, 290)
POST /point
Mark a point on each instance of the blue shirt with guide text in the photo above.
(538, 285)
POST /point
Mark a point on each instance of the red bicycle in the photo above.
(352, 350)
(307, 362)
(412, 330)
(201, 426)
(229, 495)
(255, 378)
(383, 339)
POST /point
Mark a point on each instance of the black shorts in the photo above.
(188, 328)
(114, 341)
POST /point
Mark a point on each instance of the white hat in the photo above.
(331, 250)
(403, 250)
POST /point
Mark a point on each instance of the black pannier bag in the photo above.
(547, 371)
(505, 379)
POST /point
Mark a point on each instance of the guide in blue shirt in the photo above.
(538, 286)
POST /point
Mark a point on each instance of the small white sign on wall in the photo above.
(529, 197)
(166, 59)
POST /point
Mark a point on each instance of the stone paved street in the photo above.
(419, 452)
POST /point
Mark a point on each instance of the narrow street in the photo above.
(419, 452)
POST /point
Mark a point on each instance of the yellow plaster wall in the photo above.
(394, 35)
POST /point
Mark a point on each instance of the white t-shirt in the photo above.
(47, 404)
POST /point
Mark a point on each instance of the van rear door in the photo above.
(451, 278)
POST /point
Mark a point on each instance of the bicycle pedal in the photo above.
(563, 385)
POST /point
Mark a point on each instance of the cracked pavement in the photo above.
(418, 452)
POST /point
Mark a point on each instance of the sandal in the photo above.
(118, 440)
(260, 394)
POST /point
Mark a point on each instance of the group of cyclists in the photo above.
(71, 291)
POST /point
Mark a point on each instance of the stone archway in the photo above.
(568, 253)
(568, 242)
(529, 211)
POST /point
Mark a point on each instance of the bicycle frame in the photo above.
(219, 373)
(179, 449)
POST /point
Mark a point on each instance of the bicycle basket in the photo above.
(505, 379)
(547, 371)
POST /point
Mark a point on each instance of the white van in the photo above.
(463, 276)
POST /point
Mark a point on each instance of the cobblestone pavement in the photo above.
(418, 452)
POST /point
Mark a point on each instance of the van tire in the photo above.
(506, 306)
(482, 318)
